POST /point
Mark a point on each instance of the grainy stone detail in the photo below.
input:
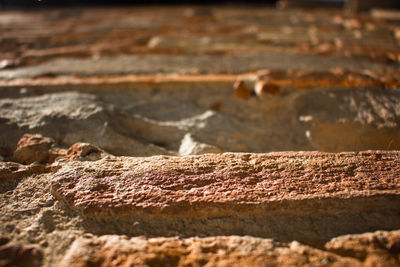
(212, 251)
(13, 170)
(213, 185)
(94, 97)
(233, 250)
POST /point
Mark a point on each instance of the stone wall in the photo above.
(199, 136)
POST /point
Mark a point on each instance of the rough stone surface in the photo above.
(219, 185)
(79, 88)
(337, 120)
(84, 151)
(342, 120)
(212, 251)
(12, 170)
(379, 248)
(68, 118)
(34, 148)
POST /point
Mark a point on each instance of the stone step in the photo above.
(305, 196)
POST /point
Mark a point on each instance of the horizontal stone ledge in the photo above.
(232, 184)
(114, 250)
(378, 248)
(204, 64)
(163, 80)
(299, 80)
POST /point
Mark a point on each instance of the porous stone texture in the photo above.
(13, 170)
(379, 248)
(219, 185)
(68, 118)
(211, 251)
(371, 249)
(120, 127)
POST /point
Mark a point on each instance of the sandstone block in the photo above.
(214, 185)
(211, 251)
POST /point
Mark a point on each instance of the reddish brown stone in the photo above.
(211, 251)
(82, 150)
(34, 148)
(230, 184)
(241, 90)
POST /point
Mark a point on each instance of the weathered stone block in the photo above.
(214, 185)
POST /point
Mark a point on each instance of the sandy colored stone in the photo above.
(226, 184)
(152, 122)
(35, 154)
(34, 148)
(111, 31)
(351, 120)
(10, 170)
(69, 118)
(336, 81)
(13, 170)
(212, 251)
(80, 151)
(380, 248)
